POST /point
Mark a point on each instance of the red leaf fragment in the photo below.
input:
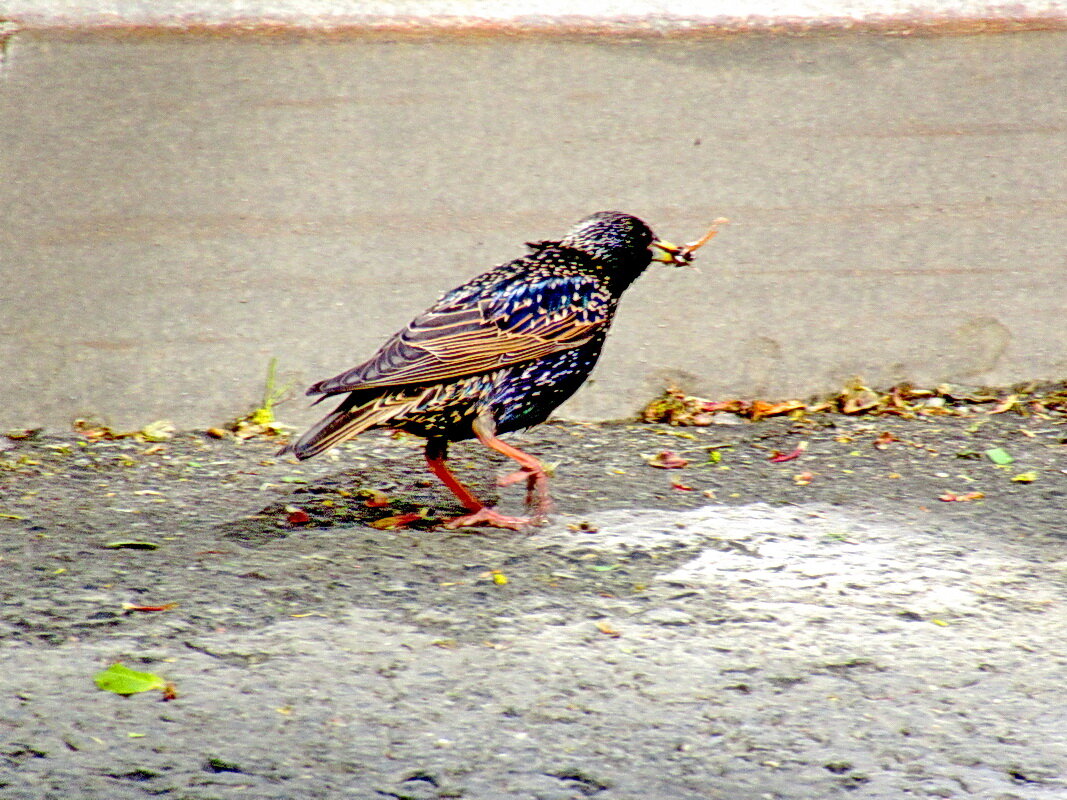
(778, 457)
(164, 607)
(667, 459)
(298, 516)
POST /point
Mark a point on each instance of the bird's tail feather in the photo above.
(349, 419)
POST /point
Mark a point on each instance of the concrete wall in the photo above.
(175, 210)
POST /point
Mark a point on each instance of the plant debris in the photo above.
(999, 456)
(779, 457)
(685, 254)
(952, 497)
(675, 407)
(667, 459)
(130, 607)
(120, 679)
(95, 431)
(399, 520)
(261, 421)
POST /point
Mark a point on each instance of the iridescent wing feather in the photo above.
(483, 326)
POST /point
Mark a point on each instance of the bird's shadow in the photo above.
(392, 495)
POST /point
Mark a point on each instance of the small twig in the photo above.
(686, 253)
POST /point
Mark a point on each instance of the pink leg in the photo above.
(462, 493)
(530, 468)
(480, 514)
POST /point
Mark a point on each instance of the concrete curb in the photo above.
(629, 17)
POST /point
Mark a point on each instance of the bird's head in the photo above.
(621, 242)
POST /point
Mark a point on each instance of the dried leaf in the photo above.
(158, 431)
(95, 431)
(952, 497)
(22, 434)
(375, 498)
(804, 478)
(857, 398)
(1025, 477)
(607, 630)
(884, 439)
(1007, 404)
(397, 521)
(761, 408)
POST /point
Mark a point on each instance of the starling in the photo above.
(497, 354)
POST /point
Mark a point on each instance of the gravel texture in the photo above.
(817, 628)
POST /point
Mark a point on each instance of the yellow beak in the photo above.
(669, 253)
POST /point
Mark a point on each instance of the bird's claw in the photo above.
(490, 517)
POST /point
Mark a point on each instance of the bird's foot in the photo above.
(537, 497)
(486, 516)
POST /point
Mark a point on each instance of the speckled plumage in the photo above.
(505, 348)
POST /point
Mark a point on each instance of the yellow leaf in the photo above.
(607, 630)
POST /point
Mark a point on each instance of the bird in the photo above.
(495, 355)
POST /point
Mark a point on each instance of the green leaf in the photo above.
(1025, 477)
(131, 545)
(998, 455)
(121, 679)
